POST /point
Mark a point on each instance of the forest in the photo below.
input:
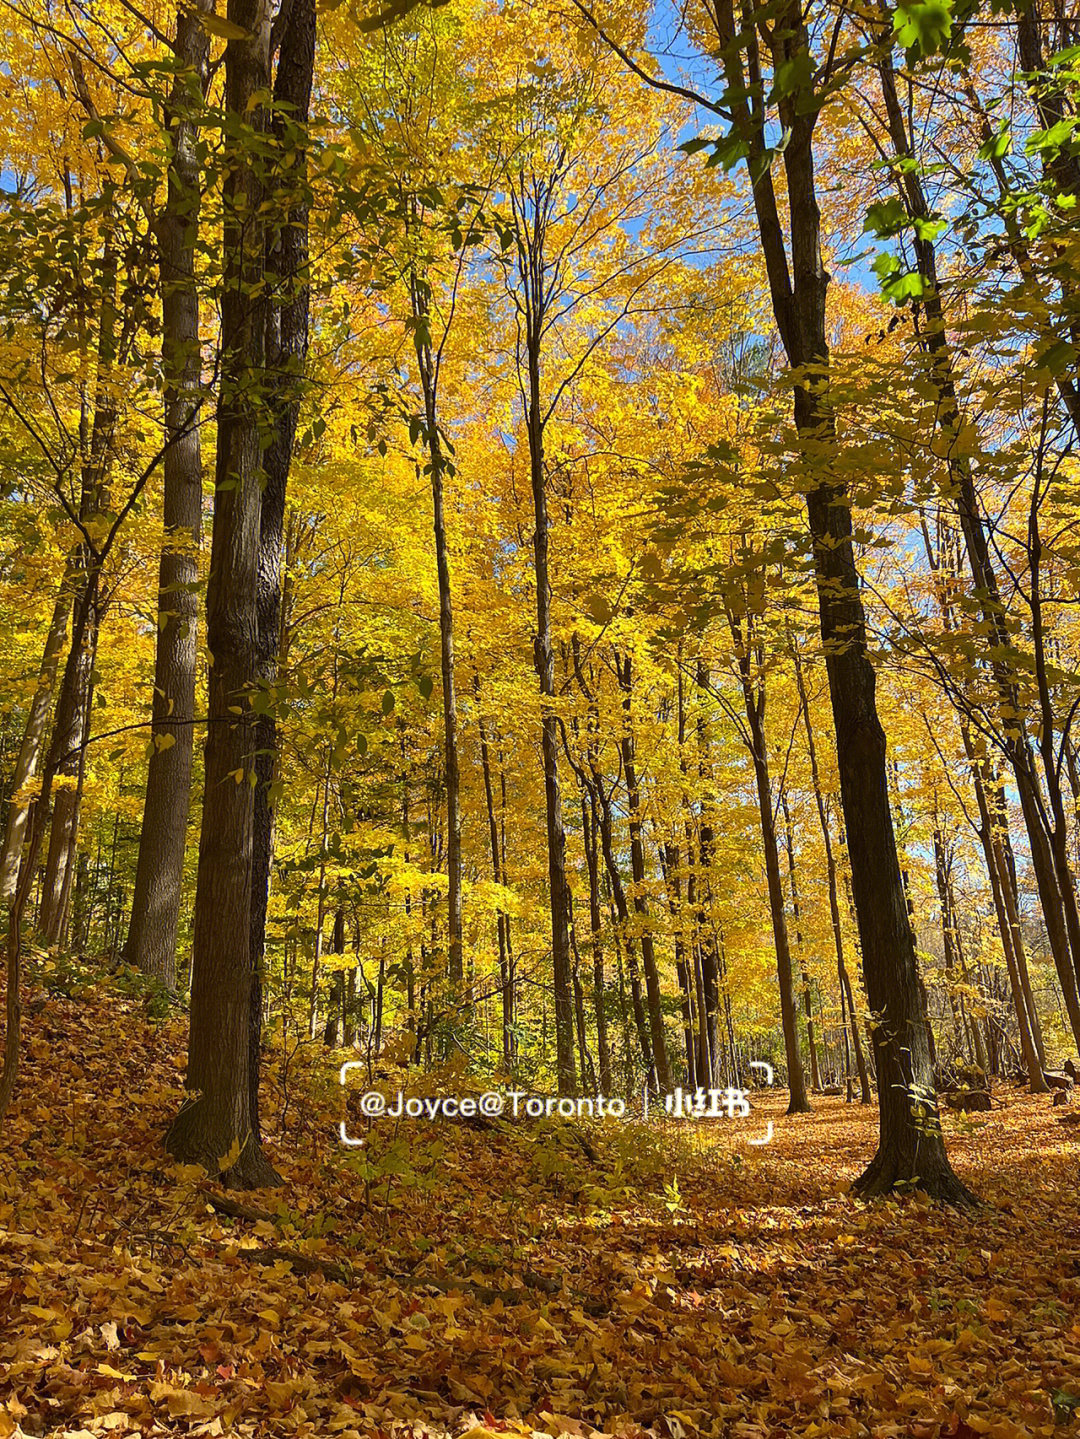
(540, 718)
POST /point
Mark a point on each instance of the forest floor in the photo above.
(476, 1280)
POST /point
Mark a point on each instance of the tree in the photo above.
(911, 1150)
(213, 1128)
(155, 909)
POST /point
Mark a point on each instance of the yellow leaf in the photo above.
(232, 1154)
(226, 29)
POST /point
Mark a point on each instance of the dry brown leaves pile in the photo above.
(501, 1280)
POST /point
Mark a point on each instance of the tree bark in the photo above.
(286, 319)
(605, 819)
(73, 712)
(545, 668)
(811, 1041)
(657, 1036)
(532, 273)
(830, 870)
(911, 1151)
(214, 1126)
(590, 836)
(33, 740)
(1054, 880)
(84, 605)
(71, 732)
(754, 699)
(155, 908)
(429, 381)
(997, 852)
(502, 920)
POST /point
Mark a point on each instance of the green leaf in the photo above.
(793, 76)
(1058, 358)
(388, 702)
(998, 145)
(1053, 139)
(727, 150)
(923, 27)
(887, 217)
(930, 230)
(909, 286)
(896, 282)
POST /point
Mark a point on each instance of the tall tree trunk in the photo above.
(285, 242)
(155, 908)
(705, 1065)
(558, 889)
(1000, 886)
(510, 992)
(1053, 879)
(798, 1102)
(950, 943)
(978, 1031)
(1006, 860)
(620, 988)
(214, 1126)
(668, 855)
(530, 212)
(811, 1041)
(997, 852)
(637, 862)
(1056, 822)
(585, 1065)
(590, 837)
(502, 920)
(73, 710)
(618, 894)
(753, 688)
(733, 1057)
(831, 876)
(71, 731)
(337, 1014)
(85, 604)
(429, 380)
(709, 958)
(911, 1151)
(33, 741)
(320, 903)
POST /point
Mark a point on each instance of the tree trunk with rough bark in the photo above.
(159, 872)
(831, 876)
(808, 1010)
(286, 318)
(754, 702)
(21, 802)
(911, 1151)
(657, 1036)
(1049, 860)
(214, 1128)
(437, 464)
(73, 709)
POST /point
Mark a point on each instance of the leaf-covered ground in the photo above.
(507, 1279)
